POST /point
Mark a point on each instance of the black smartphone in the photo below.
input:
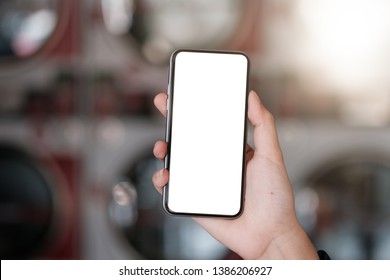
(206, 133)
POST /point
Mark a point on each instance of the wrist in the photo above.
(293, 245)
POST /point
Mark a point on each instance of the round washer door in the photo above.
(345, 208)
(26, 206)
(157, 28)
(149, 230)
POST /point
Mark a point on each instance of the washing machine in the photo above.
(341, 179)
(340, 176)
(40, 158)
(39, 182)
(155, 29)
(123, 214)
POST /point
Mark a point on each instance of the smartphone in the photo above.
(206, 133)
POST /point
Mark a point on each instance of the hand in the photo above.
(268, 228)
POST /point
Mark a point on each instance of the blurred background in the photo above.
(77, 122)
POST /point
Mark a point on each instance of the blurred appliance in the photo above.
(123, 215)
(325, 161)
(38, 193)
(32, 29)
(341, 178)
(113, 145)
(124, 218)
(154, 29)
(39, 152)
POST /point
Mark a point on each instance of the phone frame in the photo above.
(168, 133)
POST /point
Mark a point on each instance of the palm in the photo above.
(267, 204)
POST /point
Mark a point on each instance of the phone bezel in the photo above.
(168, 133)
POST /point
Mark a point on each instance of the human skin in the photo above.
(268, 227)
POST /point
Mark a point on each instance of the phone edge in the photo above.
(168, 128)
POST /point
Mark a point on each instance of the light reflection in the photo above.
(123, 210)
(347, 39)
(25, 26)
(336, 57)
(111, 131)
(118, 15)
(33, 32)
(124, 194)
(307, 202)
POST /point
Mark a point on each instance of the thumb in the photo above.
(264, 130)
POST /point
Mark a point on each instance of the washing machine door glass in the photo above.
(26, 206)
(346, 209)
(159, 27)
(156, 235)
(25, 26)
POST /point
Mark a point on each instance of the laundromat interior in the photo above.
(78, 124)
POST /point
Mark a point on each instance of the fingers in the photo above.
(160, 149)
(249, 152)
(160, 101)
(265, 134)
(160, 179)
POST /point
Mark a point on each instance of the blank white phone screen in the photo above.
(208, 95)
